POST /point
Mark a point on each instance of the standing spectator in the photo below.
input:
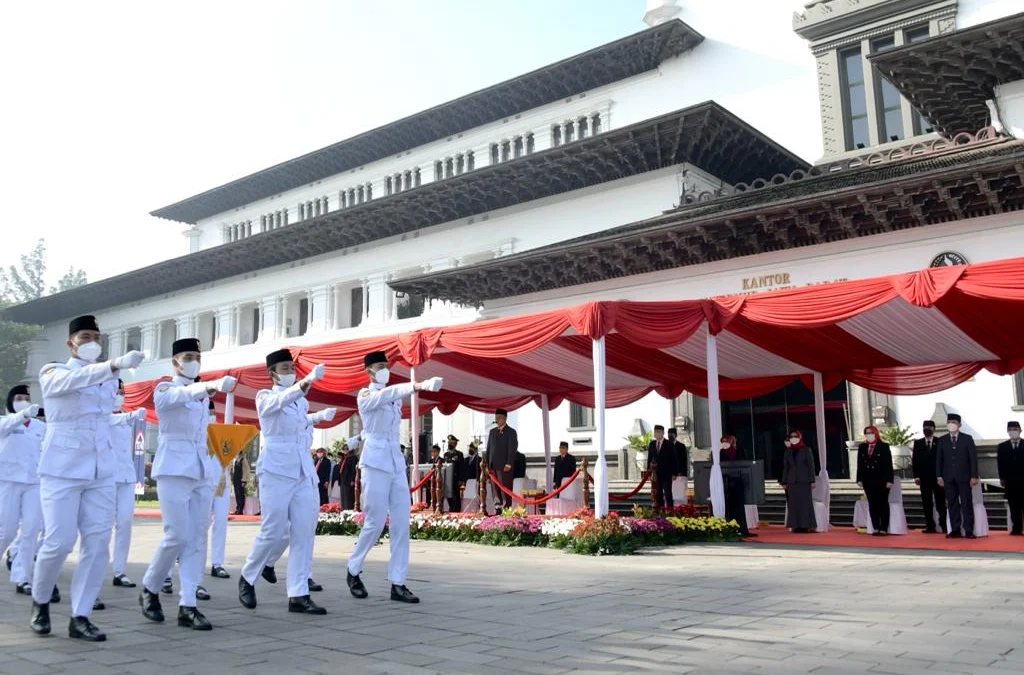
(502, 446)
(956, 467)
(933, 497)
(345, 477)
(682, 454)
(798, 478)
(661, 461)
(323, 473)
(1011, 476)
(875, 475)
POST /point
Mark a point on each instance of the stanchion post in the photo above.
(358, 490)
(483, 488)
(585, 477)
(436, 480)
(654, 489)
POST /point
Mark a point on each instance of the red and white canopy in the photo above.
(902, 334)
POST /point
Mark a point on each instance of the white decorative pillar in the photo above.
(185, 326)
(824, 489)
(150, 336)
(270, 318)
(414, 424)
(545, 424)
(192, 234)
(376, 301)
(319, 301)
(226, 328)
(715, 413)
(115, 343)
(601, 465)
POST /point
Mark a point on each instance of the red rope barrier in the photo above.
(530, 502)
(423, 482)
(629, 495)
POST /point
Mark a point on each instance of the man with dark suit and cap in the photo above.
(1010, 455)
(502, 446)
(956, 468)
(384, 481)
(453, 474)
(661, 461)
(76, 476)
(565, 465)
(932, 496)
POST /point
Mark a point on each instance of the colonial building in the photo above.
(635, 170)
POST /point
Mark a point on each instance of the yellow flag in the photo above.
(226, 441)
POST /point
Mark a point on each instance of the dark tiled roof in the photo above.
(615, 61)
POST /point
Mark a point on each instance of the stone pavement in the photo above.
(696, 609)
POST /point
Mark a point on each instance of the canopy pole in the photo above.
(414, 423)
(601, 465)
(715, 413)
(229, 408)
(545, 421)
(824, 489)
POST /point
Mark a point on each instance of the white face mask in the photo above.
(89, 351)
(118, 401)
(286, 380)
(870, 438)
(382, 376)
(20, 405)
(952, 427)
(190, 369)
(1014, 435)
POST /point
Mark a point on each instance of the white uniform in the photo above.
(122, 441)
(181, 470)
(218, 512)
(76, 479)
(384, 483)
(289, 500)
(20, 444)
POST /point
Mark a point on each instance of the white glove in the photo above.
(316, 374)
(225, 384)
(30, 412)
(138, 415)
(354, 443)
(130, 360)
(327, 414)
(433, 384)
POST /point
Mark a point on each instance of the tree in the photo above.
(25, 283)
(14, 339)
(72, 279)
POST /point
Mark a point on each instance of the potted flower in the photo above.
(639, 444)
(899, 440)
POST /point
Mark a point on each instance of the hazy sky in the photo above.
(114, 109)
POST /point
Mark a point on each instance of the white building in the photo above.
(462, 201)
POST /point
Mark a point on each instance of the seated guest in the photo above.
(875, 476)
(1011, 476)
(798, 479)
(735, 488)
(565, 465)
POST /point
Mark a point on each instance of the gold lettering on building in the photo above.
(766, 281)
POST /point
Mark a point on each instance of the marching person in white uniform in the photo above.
(219, 514)
(122, 441)
(76, 476)
(21, 437)
(385, 485)
(289, 500)
(181, 469)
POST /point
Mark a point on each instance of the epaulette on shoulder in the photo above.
(50, 367)
(163, 387)
(262, 392)
(364, 392)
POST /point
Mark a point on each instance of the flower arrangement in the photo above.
(419, 506)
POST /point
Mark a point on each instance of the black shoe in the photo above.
(246, 593)
(55, 596)
(10, 563)
(929, 530)
(98, 605)
(40, 619)
(1016, 533)
(304, 605)
(123, 581)
(168, 587)
(219, 572)
(970, 535)
(23, 589)
(150, 603)
(314, 587)
(202, 593)
(269, 574)
(747, 535)
(403, 594)
(80, 628)
(953, 535)
(356, 587)
(190, 617)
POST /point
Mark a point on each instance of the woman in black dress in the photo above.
(799, 477)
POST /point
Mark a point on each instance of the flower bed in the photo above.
(580, 533)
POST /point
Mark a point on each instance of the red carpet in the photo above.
(847, 537)
(155, 513)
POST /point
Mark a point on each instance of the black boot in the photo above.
(304, 605)
(246, 593)
(80, 628)
(55, 596)
(356, 587)
(314, 587)
(23, 589)
(98, 605)
(190, 617)
(40, 619)
(150, 603)
(269, 574)
(399, 593)
(202, 593)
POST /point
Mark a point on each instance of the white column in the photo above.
(319, 300)
(366, 300)
(376, 292)
(601, 465)
(270, 319)
(715, 413)
(819, 418)
(414, 425)
(229, 408)
(115, 343)
(545, 423)
(225, 328)
(185, 326)
(150, 334)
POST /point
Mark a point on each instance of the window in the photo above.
(888, 100)
(356, 317)
(387, 185)
(910, 36)
(556, 135)
(580, 417)
(1018, 389)
(255, 323)
(595, 124)
(701, 422)
(855, 107)
(303, 315)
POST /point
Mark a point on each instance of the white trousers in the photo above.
(73, 507)
(289, 510)
(219, 528)
(185, 509)
(276, 555)
(19, 503)
(124, 501)
(383, 494)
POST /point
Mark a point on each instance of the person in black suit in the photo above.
(565, 465)
(661, 458)
(1010, 455)
(239, 477)
(956, 467)
(932, 496)
(344, 475)
(471, 468)
(682, 454)
(502, 447)
(323, 473)
(875, 476)
(436, 464)
(453, 479)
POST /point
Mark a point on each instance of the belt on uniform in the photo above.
(284, 440)
(90, 422)
(182, 437)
